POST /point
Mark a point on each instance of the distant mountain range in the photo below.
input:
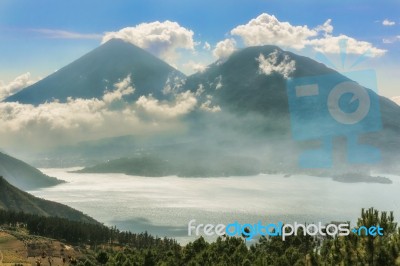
(13, 199)
(24, 176)
(250, 119)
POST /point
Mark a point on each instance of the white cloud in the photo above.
(55, 123)
(163, 39)
(218, 82)
(16, 85)
(121, 89)
(184, 103)
(62, 34)
(270, 64)
(196, 67)
(391, 39)
(396, 99)
(331, 45)
(207, 46)
(387, 22)
(327, 28)
(224, 48)
(200, 90)
(267, 29)
(208, 107)
(174, 84)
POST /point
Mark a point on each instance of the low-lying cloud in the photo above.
(51, 124)
(16, 85)
(54, 123)
(184, 103)
(272, 64)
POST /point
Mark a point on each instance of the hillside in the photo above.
(24, 176)
(195, 163)
(13, 199)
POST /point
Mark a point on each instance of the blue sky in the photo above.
(30, 38)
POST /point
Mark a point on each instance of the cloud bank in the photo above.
(184, 103)
(53, 123)
(16, 85)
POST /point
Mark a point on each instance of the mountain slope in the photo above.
(244, 89)
(13, 199)
(97, 71)
(238, 87)
(22, 175)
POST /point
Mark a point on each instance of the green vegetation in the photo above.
(24, 176)
(200, 164)
(109, 246)
(13, 199)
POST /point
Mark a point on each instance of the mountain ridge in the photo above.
(11, 198)
(24, 176)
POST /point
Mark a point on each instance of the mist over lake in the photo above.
(163, 206)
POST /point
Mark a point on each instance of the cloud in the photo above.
(62, 34)
(387, 22)
(54, 123)
(224, 48)
(207, 46)
(267, 29)
(196, 67)
(16, 85)
(271, 64)
(208, 107)
(184, 103)
(200, 90)
(163, 39)
(121, 89)
(396, 99)
(331, 45)
(327, 28)
(174, 84)
(391, 39)
(218, 82)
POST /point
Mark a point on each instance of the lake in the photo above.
(163, 206)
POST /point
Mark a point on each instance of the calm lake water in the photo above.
(163, 206)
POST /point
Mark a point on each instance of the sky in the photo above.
(39, 37)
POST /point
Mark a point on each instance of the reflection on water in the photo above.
(164, 205)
